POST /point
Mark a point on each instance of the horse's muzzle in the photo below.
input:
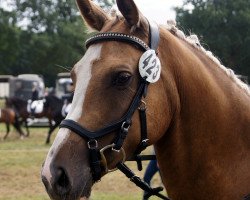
(59, 186)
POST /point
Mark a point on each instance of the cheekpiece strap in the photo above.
(121, 37)
(154, 35)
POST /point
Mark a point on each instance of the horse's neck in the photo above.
(203, 88)
(210, 128)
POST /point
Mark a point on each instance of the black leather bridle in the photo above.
(121, 126)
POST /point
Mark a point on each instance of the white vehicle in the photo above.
(63, 85)
(4, 85)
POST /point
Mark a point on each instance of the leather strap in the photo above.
(122, 135)
(140, 183)
(95, 163)
(154, 35)
(84, 133)
(144, 132)
(121, 37)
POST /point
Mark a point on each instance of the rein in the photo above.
(121, 126)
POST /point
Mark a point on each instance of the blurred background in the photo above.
(41, 40)
(39, 36)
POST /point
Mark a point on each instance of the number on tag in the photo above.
(150, 66)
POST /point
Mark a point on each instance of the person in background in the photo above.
(34, 97)
(151, 170)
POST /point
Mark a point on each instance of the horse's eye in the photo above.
(121, 79)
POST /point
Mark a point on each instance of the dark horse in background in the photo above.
(8, 116)
(52, 110)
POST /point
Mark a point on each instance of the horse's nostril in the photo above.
(62, 184)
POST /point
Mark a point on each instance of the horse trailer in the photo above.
(4, 85)
(21, 86)
(63, 85)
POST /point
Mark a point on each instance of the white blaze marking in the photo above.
(83, 71)
(62, 136)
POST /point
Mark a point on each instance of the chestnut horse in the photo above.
(198, 112)
(8, 117)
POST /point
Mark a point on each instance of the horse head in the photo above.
(197, 111)
(109, 91)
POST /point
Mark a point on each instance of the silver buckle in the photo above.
(143, 105)
(92, 144)
(145, 140)
(123, 127)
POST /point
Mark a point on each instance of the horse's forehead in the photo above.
(91, 55)
(102, 56)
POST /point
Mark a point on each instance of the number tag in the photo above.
(150, 66)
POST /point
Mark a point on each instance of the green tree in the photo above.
(223, 26)
(45, 15)
(53, 35)
(9, 41)
(37, 36)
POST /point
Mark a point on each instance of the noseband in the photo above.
(122, 125)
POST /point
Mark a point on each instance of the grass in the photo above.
(20, 165)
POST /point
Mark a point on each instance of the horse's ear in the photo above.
(93, 15)
(131, 13)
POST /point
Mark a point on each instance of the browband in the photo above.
(121, 37)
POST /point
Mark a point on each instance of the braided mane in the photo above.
(194, 41)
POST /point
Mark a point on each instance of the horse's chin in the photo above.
(86, 191)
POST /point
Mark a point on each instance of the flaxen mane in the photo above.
(194, 41)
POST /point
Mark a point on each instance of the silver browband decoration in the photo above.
(110, 36)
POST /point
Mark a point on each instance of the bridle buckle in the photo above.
(125, 126)
(92, 144)
(145, 141)
(142, 106)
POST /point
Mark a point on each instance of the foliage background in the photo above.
(38, 35)
(224, 28)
